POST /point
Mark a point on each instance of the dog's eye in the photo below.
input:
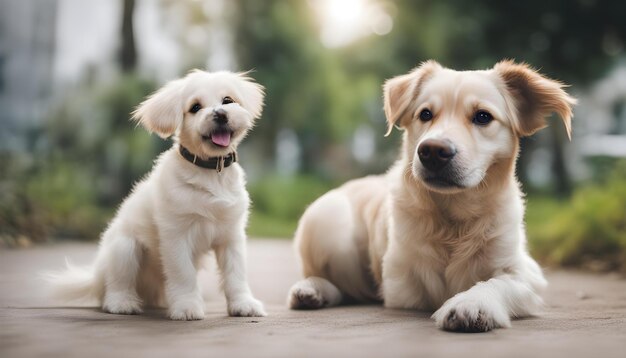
(195, 108)
(227, 100)
(426, 115)
(482, 118)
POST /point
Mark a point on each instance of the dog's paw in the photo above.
(246, 307)
(467, 321)
(122, 303)
(466, 314)
(305, 298)
(187, 310)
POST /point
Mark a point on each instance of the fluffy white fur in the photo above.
(457, 249)
(151, 251)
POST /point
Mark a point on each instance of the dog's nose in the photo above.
(435, 154)
(220, 116)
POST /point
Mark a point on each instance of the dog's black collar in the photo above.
(217, 163)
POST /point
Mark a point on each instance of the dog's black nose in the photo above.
(435, 154)
(220, 116)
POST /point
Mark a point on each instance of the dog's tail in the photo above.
(75, 283)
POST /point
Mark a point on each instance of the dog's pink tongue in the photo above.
(221, 138)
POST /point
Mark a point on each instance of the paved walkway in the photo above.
(585, 317)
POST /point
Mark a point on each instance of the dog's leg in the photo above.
(410, 281)
(313, 293)
(231, 260)
(489, 304)
(122, 261)
(181, 284)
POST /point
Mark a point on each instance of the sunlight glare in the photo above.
(345, 21)
(346, 12)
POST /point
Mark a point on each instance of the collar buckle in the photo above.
(220, 164)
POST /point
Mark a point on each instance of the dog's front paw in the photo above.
(304, 297)
(467, 314)
(246, 307)
(121, 303)
(187, 310)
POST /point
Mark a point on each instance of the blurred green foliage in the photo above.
(310, 90)
(286, 197)
(279, 201)
(79, 165)
(588, 230)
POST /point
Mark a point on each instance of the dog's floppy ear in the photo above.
(534, 97)
(399, 93)
(253, 95)
(162, 112)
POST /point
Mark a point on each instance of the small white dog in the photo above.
(193, 201)
(443, 229)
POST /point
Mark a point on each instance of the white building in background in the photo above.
(603, 130)
(27, 49)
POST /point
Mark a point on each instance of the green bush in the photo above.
(278, 202)
(263, 225)
(66, 197)
(78, 167)
(587, 231)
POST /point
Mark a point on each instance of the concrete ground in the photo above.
(585, 317)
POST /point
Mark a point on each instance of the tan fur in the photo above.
(459, 250)
(400, 92)
(535, 97)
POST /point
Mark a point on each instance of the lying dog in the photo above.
(443, 229)
(193, 201)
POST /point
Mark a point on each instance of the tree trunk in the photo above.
(128, 53)
(559, 170)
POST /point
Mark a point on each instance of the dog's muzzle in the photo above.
(436, 157)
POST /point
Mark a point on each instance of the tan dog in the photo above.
(443, 228)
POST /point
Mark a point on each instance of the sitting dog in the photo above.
(443, 229)
(194, 200)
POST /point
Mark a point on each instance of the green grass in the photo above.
(278, 202)
(262, 225)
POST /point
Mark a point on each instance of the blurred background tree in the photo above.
(71, 72)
